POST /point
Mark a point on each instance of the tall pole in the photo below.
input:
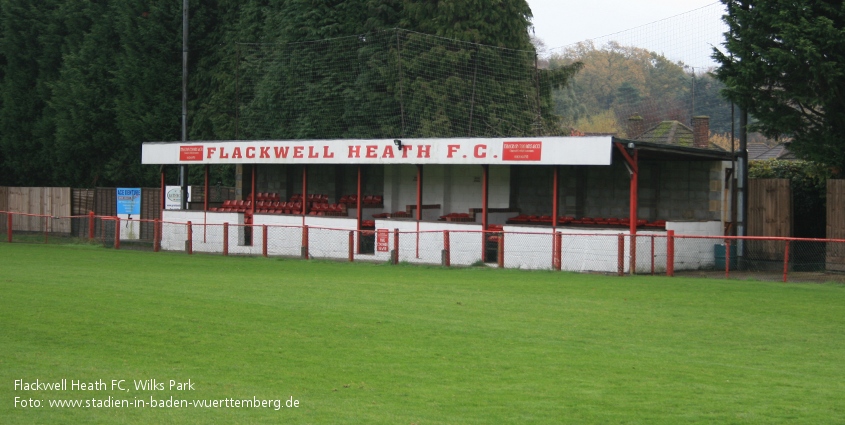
(183, 169)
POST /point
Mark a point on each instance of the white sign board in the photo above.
(516, 151)
(173, 197)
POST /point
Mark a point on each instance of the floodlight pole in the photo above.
(183, 169)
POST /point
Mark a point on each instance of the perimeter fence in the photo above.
(612, 252)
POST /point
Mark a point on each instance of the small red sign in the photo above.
(382, 240)
(522, 151)
(190, 153)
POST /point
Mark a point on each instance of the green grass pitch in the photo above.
(380, 344)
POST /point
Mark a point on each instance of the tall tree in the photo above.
(784, 61)
(32, 47)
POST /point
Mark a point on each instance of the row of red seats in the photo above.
(274, 207)
(328, 208)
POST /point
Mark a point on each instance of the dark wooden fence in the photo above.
(836, 224)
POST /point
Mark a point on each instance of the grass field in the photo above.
(379, 344)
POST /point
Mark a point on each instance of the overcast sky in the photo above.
(561, 22)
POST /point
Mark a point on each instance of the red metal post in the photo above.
(264, 240)
(157, 235)
(190, 244)
(484, 181)
(558, 254)
(205, 191)
(91, 225)
(351, 246)
(501, 250)
(670, 253)
(785, 260)
(304, 240)
(226, 238)
(358, 211)
(447, 255)
(556, 194)
(395, 246)
(419, 191)
(304, 189)
(117, 233)
(620, 260)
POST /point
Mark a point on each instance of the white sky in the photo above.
(563, 22)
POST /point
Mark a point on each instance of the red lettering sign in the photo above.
(190, 153)
(522, 151)
(382, 240)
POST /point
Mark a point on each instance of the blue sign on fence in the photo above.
(129, 201)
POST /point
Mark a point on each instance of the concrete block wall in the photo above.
(526, 247)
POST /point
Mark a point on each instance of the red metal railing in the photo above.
(785, 259)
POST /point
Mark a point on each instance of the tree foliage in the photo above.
(784, 61)
(626, 81)
(83, 84)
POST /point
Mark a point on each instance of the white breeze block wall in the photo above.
(695, 254)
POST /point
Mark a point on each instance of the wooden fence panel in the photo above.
(836, 224)
(150, 210)
(50, 201)
(769, 214)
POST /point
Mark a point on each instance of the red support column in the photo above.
(190, 243)
(555, 200)
(447, 255)
(785, 260)
(395, 246)
(419, 191)
(305, 242)
(632, 162)
(91, 223)
(670, 253)
(557, 251)
(205, 191)
(304, 190)
(358, 211)
(264, 240)
(620, 260)
(351, 246)
(484, 181)
(117, 233)
(226, 238)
